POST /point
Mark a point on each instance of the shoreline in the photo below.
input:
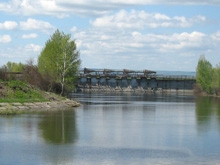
(140, 90)
(16, 107)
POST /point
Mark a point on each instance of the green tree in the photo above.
(204, 74)
(59, 60)
(14, 67)
(216, 80)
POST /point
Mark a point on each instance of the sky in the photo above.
(157, 35)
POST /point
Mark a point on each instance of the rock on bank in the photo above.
(6, 108)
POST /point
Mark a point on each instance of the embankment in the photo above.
(16, 108)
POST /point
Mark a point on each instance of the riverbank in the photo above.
(17, 108)
(17, 97)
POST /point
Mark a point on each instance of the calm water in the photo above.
(116, 129)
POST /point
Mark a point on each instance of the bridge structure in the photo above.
(126, 80)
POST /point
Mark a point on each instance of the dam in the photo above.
(132, 81)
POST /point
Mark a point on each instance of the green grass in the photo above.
(17, 91)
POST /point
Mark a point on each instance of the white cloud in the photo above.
(19, 53)
(141, 19)
(125, 39)
(8, 25)
(33, 48)
(30, 7)
(182, 41)
(63, 8)
(5, 39)
(29, 24)
(121, 40)
(33, 24)
(95, 41)
(27, 36)
(216, 36)
(136, 49)
(73, 29)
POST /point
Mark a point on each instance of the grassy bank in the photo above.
(17, 91)
(17, 97)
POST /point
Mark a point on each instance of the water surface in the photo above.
(116, 129)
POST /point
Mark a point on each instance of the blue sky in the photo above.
(115, 34)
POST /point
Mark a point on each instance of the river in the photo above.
(116, 129)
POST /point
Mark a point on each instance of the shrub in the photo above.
(32, 76)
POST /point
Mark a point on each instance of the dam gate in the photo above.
(132, 81)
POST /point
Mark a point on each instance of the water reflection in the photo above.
(207, 113)
(59, 127)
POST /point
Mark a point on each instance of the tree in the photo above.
(216, 80)
(59, 60)
(204, 74)
(14, 67)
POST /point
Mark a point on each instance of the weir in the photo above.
(132, 81)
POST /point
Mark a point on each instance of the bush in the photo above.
(32, 76)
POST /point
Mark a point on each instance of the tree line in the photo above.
(57, 66)
(207, 77)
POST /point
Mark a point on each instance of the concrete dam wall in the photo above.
(133, 81)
